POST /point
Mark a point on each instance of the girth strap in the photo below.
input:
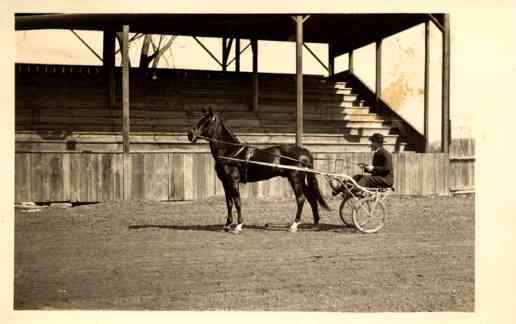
(248, 154)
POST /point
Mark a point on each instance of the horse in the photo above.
(224, 143)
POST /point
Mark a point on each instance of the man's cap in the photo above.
(377, 138)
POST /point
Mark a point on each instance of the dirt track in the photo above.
(173, 256)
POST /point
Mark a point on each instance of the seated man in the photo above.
(381, 169)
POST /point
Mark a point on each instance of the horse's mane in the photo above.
(228, 131)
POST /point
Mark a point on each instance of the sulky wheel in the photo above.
(369, 216)
(346, 210)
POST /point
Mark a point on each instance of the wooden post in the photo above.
(254, 47)
(237, 55)
(350, 61)
(225, 53)
(125, 87)
(125, 112)
(378, 88)
(445, 125)
(226, 43)
(108, 59)
(331, 59)
(299, 78)
(427, 83)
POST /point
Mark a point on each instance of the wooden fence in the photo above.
(462, 165)
(94, 177)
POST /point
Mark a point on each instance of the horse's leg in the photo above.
(229, 204)
(235, 194)
(312, 200)
(297, 182)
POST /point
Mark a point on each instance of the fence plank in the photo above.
(40, 173)
(443, 169)
(171, 177)
(107, 183)
(157, 188)
(188, 177)
(461, 164)
(56, 189)
(211, 177)
(178, 166)
(66, 177)
(137, 176)
(75, 179)
(22, 176)
(199, 182)
(85, 170)
(117, 174)
(400, 177)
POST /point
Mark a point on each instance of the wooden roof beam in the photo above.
(436, 22)
(317, 58)
(86, 44)
(240, 52)
(208, 51)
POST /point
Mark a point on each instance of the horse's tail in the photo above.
(313, 186)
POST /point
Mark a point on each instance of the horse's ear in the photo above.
(203, 110)
(210, 112)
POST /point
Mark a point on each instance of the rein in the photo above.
(245, 145)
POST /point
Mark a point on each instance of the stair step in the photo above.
(356, 110)
(342, 91)
(341, 85)
(366, 124)
(370, 131)
(362, 117)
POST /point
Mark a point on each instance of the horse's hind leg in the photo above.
(297, 182)
(312, 200)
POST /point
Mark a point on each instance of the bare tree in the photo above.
(145, 58)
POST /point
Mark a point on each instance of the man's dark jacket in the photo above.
(382, 163)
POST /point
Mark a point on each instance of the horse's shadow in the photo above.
(267, 227)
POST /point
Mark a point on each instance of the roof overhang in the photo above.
(345, 31)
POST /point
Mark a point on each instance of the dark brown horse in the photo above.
(223, 143)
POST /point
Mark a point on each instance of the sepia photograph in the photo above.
(290, 161)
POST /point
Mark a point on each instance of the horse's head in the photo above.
(205, 126)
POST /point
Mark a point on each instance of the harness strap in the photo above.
(239, 151)
(244, 145)
(248, 154)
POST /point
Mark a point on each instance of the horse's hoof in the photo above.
(293, 228)
(226, 228)
(238, 229)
